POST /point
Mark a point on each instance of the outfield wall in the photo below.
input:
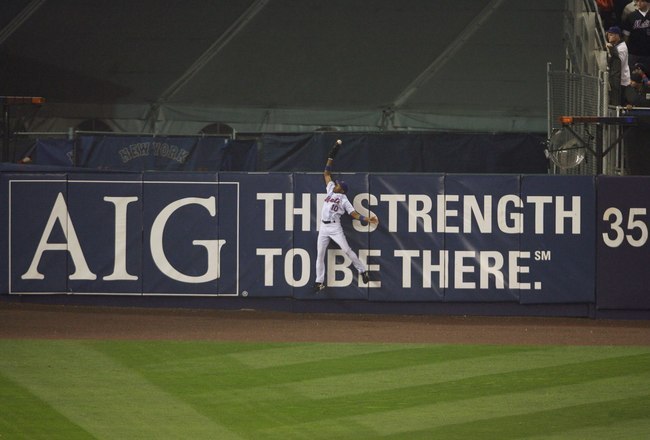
(569, 245)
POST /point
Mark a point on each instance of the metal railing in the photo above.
(582, 89)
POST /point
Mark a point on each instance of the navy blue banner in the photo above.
(139, 153)
(105, 213)
(375, 153)
(408, 153)
(38, 233)
(267, 257)
(123, 234)
(408, 249)
(558, 239)
(480, 216)
(191, 244)
(56, 152)
(623, 249)
(451, 238)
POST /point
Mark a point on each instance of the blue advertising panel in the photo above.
(237, 155)
(265, 231)
(105, 211)
(623, 249)
(479, 218)
(341, 278)
(558, 249)
(407, 247)
(38, 232)
(141, 153)
(58, 152)
(301, 214)
(183, 250)
(438, 152)
(451, 238)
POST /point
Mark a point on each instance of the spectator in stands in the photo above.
(638, 94)
(636, 29)
(619, 69)
(643, 71)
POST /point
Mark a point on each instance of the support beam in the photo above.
(19, 19)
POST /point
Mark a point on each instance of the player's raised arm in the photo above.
(327, 174)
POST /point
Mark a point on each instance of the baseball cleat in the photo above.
(318, 287)
(365, 277)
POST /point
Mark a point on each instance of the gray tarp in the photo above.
(274, 65)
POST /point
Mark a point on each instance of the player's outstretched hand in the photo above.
(374, 220)
(335, 149)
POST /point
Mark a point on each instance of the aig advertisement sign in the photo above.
(452, 238)
(122, 235)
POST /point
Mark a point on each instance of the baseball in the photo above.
(339, 141)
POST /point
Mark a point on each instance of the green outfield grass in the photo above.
(199, 390)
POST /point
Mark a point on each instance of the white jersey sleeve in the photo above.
(347, 205)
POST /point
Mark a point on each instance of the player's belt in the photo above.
(327, 222)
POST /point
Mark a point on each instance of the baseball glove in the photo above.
(335, 149)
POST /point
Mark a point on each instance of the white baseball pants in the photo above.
(333, 231)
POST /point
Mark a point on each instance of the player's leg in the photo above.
(339, 238)
(322, 242)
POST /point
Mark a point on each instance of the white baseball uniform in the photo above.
(335, 205)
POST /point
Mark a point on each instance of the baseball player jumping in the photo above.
(335, 205)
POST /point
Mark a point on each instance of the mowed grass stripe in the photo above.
(208, 390)
(412, 396)
(617, 429)
(489, 414)
(377, 378)
(606, 420)
(283, 401)
(447, 371)
(182, 357)
(180, 354)
(285, 387)
(227, 372)
(18, 407)
(524, 405)
(294, 354)
(100, 395)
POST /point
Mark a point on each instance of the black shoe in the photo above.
(318, 287)
(365, 277)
